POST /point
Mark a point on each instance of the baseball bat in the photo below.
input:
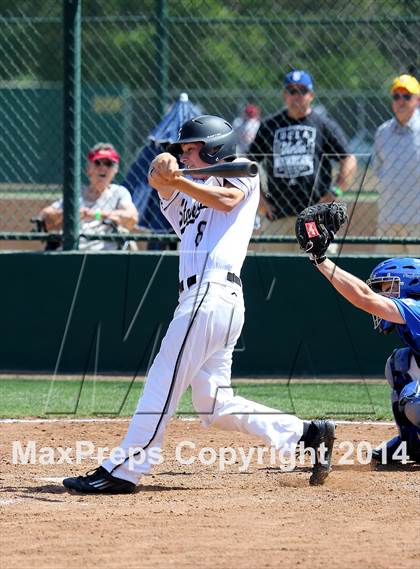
(226, 170)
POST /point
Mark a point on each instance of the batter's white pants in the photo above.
(197, 351)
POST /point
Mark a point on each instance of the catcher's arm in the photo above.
(359, 294)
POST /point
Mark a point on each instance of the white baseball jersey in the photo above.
(213, 240)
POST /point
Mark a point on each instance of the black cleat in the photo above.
(99, 481)
(322, 441)
(384, 454)
(393, 452)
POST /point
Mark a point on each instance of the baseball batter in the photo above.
(214, 221)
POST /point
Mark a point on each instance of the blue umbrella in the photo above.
(179, 112)
(166, 131)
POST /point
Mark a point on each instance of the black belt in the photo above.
(191, 281)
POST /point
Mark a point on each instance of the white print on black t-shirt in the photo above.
(294, 151)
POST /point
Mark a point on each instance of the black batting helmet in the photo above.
(215, 133)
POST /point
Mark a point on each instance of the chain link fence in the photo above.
(137, 58)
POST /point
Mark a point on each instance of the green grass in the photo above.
(43, 398)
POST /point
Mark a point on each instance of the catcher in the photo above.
(392, 296)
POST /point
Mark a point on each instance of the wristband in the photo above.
(98, 215)
(338, 192)
(317, 260)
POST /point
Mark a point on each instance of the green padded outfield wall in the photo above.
(73, 312)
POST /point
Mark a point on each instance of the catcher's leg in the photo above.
(401, 370)
(409, 406)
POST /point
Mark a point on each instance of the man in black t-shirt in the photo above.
(297, 146)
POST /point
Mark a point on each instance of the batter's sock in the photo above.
(310, 430)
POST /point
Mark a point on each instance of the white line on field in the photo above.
(186, 419)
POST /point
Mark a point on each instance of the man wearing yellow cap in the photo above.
(396, 163)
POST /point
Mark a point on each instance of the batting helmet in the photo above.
(215, 133)
(395, 278)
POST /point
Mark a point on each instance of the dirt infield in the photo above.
(199, 516)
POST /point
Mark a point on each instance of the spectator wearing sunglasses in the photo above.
(104, 206)
(396, 163)
(297, 147)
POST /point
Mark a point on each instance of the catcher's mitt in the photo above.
(316, 227)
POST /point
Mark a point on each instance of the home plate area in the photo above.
(191, 512)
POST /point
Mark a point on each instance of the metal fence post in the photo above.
(162, 52)
(71, 122)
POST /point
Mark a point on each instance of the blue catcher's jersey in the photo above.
(410, 331)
